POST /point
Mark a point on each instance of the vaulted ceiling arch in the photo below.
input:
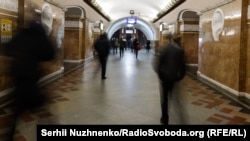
(145, 27)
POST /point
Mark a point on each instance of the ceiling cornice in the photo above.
(168, 8)
(171, 6)
(93, 4)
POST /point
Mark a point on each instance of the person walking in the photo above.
(137, 47)
(102, 46)
(170, 68)
(28, 48)
(122, 46)
(116, 46)
(148, 46)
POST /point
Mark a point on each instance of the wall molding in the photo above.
(216, 5)
(244, 94)
(74, 61)
(195, 65)
(73, 24)
(5, 96)
(49, 76)
(78, 61)
(6, 92)
(223, 87)
(15, 16)
(43, 79)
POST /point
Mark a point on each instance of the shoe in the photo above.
(164, 121)
(104, 77)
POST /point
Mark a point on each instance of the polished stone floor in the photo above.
(129, 95)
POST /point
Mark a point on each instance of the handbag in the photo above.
(138, 47)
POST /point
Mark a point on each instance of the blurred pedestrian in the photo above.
(102, 46)
(148, 46)
(170, 68)
(116, 46)
(131, 44)
(122, 46)
(28, 48)
(137, 47)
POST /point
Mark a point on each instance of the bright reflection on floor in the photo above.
(128, 67)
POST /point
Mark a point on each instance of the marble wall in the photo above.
(162, 42)
(247, 51)
(190, 45)
(80, 37)
(222, 60)
(73, 44)
(189, 40)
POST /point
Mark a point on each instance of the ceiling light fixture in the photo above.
(132, 12)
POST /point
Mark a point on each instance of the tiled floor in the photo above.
(129, 95)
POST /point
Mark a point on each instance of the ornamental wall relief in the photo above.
(217, 24)
(47, 17)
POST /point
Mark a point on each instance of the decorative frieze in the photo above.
(11, 5)
(74, 24)
(189, 27)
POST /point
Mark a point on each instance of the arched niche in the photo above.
(189, 15)
(189, 25)
(75, 12)
(74, 28)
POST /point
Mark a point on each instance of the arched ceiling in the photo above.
(150, 12)
(154, 11)
(145, 27)
(116, 12)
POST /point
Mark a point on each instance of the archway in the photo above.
(145, 27)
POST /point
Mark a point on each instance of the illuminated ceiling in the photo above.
(148, 10)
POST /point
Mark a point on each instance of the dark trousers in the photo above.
(166, 91)
(121, 52)
(103, 62)
(136, 53)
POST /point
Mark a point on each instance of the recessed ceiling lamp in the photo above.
(132, 12)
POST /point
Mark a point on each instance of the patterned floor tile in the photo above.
(69, 92)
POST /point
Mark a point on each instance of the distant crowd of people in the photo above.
(103, 46)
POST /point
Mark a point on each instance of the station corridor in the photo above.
(130, 95)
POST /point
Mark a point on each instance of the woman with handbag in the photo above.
(137, 48)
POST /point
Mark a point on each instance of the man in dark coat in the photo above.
(102, 46)
(170, 69)
(28, 48)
